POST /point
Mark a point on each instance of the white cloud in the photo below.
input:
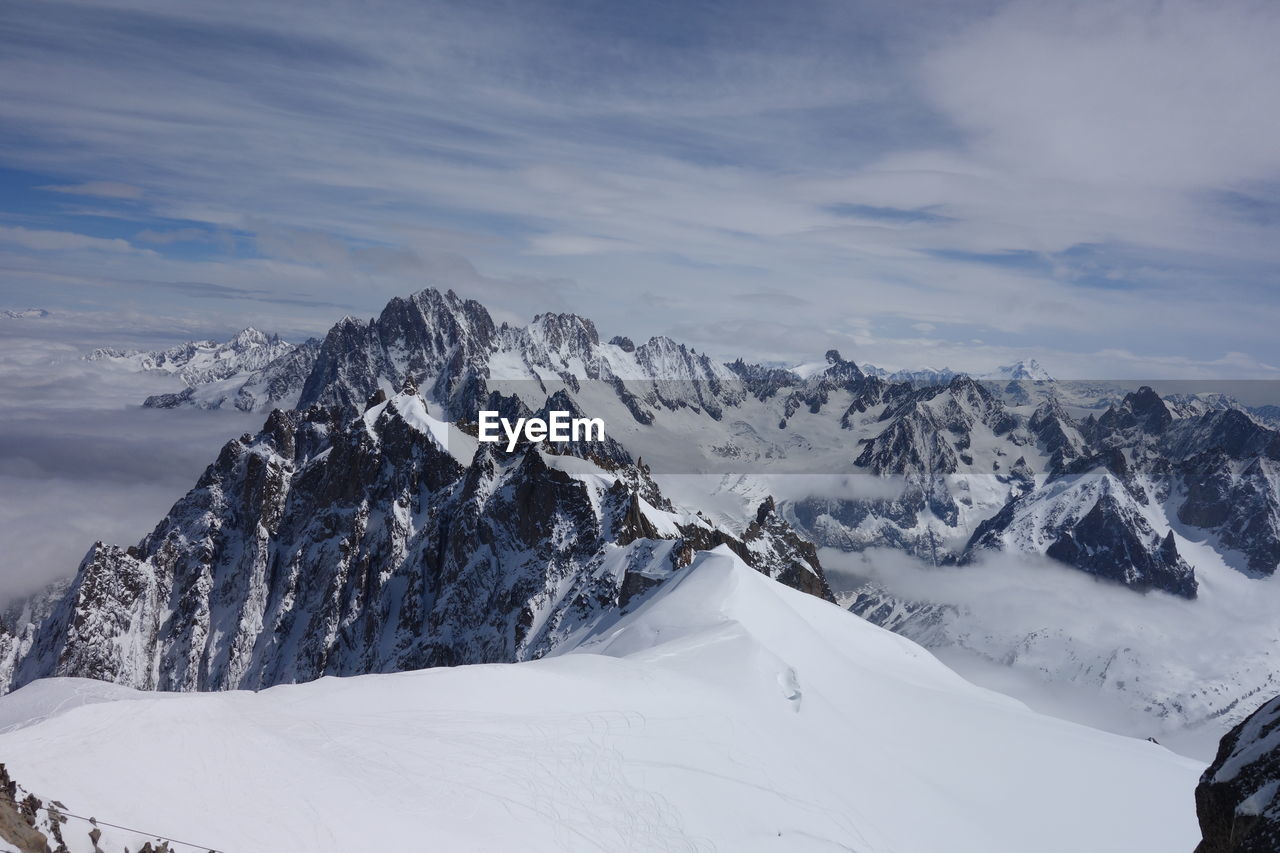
(100, 189)
(64, 241)
(364, 155)
(576, 244)
(80, 460)
(1175, 94)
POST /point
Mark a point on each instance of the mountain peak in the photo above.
(1148, 408)
(566, 331)
(251, 337)
(1026, 370)
(203, 362)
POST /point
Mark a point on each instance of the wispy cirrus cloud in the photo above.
(64, 241)
(101, 189)
(1055, 178)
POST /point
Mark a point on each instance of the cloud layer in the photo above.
(80, 461)
(940, 183)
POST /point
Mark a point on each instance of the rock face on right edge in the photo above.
(1238, 798)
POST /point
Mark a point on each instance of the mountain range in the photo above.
(364, 529)
(1023, 370)
(252, 371)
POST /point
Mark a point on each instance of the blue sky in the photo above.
(941, 183)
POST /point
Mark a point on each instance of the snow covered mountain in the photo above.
(725, 712)
(364, 530)
(1268, 415)
(1093, 522)
(276, 384)
(1025, 370)
(454, 351)
(916, 376)
(253, 371)
(390, 542)
(199, 362)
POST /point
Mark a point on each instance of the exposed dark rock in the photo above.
(379, 552)
(1058, 433)
(1141, 413)
(1238, 798)
(632, 523)
(763, 382)
(777, 550)
(1240, 500)
(606, 452)
(1111, 539)
(33, 825)
(170, 401)
(428, 334)
(18, 820)
(345, 538)
(1112, 542)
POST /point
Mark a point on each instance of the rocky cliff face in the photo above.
(429, 334)
(967, 461)
(23, 817)
(973, 472)
(1059, 435)
(1094, 522)
(1238, 798)
(388, 541)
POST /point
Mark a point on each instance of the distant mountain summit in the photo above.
(1027, 370)
(202, 362)
(918, 376)
(253, 371)
(365, 529)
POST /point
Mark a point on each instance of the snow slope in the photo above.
(725, 713)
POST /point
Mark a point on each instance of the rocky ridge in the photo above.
(327, 545)
(365, 530)
(1238, 798)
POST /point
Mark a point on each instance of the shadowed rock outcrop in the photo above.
(1238, 798)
